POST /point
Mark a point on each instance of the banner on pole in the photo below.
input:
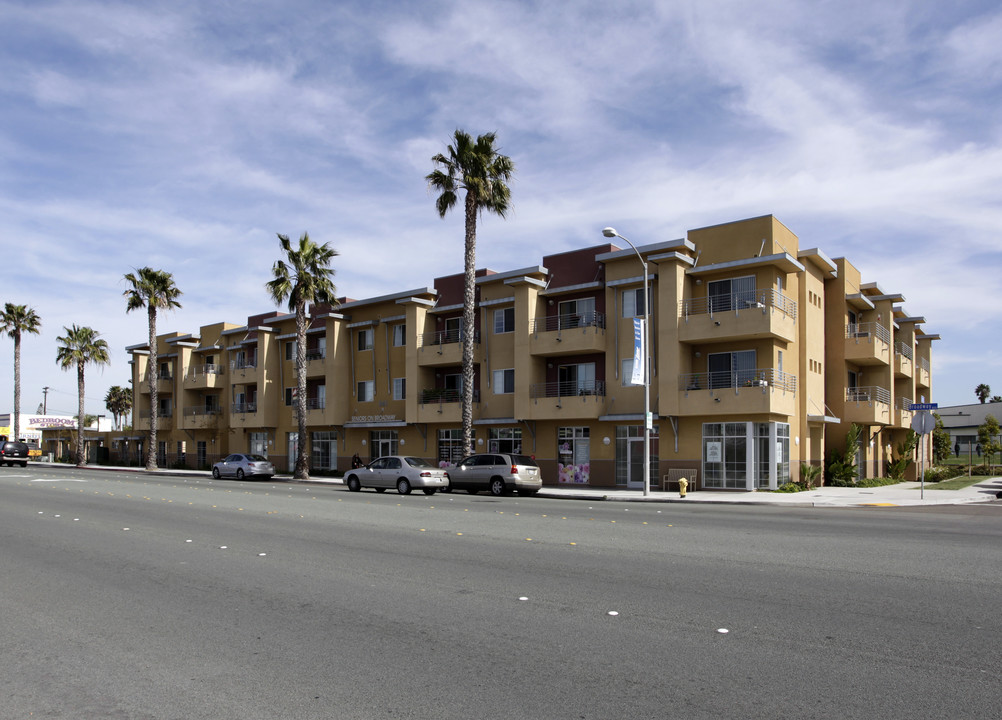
(638, 352)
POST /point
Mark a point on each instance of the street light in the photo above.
(609, 233)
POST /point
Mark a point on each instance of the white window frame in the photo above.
(400, 335)
(503, 382)
(501, 317)
(631, 307)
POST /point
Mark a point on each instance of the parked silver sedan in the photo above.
(240, 465)
(402, 472)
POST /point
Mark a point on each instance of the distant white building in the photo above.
(31, 426)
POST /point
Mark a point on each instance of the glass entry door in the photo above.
(635, 463)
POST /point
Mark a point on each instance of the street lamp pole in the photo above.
(609, 233)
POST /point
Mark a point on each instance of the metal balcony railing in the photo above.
(245, 364)
(923, 364)
(441, 396)
(567, 322)
(198, 411)
(759, 378)
(868, 394)
(239, 408)
(146, 414)
(761, 299)
(904, 403)
(312, 355)
(903, 349)
(443, 337)
(207, 369)
(566, 389)
(867, 331)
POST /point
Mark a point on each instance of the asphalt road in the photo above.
(142, 597)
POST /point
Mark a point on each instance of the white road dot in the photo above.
(523, 598)
(261, 554)
(222, 547)
(187, 540)
(723, 631)
(613, 612)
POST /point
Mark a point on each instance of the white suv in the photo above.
(498, 473)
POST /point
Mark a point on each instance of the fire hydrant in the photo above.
(683, 485)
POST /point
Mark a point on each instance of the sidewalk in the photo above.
(902, 494)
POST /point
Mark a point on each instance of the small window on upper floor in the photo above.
(290, 350)
(399, 335)
(365, 339)
(633, 302)
(504, 320)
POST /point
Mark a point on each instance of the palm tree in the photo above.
(79, 346)
(119, 402)
(15, 320)
(155, 290)
(982, 391)
(480, 170)
(306, 278)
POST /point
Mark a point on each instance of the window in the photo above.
(573, 455)
(633, 303)
(165, 407)
(504, 320)
(365, 339)
(726, 455)
(290, 350)
(731, 294)
(577, 379)
(505, 440)
(731, 369)
(290, 395)
(453, 330)
(258, 443)
(504, 381)
(627, 374)
(366, 391)
(324, 450)
(399, 388)
(399, 335)
(450, 447)
(578, 313)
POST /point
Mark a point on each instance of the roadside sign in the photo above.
(923, 406)
(923, 423)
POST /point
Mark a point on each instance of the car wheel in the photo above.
(24, 464)
(240, 473)
(404, 486)
(353, 484)
(380, 490)
(428, 491)
(215, 473)
(497, 487)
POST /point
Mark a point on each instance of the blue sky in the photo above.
(185, 135)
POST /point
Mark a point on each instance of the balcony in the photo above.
(443, 347)
(437, 405)
(867, 405)
(201, 418)
(765, 313)
(165, 419)
(315, 355)
(567, 334)
(315, 407)
(924, 372)
(902, 415)
(758, 391)
(205, 377)
(868, 344)
(243, 370)
(572, 399)
(165, 383)
(904, 364)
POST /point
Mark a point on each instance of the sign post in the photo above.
(923, 423)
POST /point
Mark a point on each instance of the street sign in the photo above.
(923, 406)
(923, 423)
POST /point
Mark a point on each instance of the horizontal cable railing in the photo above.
(200, 410)
(145, 414)
(250, 363)
(566, 389)
(567, 322)
(207, 369)
(312, 355)
(733, 302)
(431, 396)
(923, 363)
(903, 349)
(904, 403)
(758, 378)
(866, 331)
(249, 407)
(868, 394)
(443, 337)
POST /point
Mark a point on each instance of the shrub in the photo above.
(841, 468)
(790, 487)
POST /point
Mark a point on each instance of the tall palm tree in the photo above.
(80, 346)
(118, 400)
(484, 173)
(305, 278)
(15, 320)
(983, 391)
(155, 290)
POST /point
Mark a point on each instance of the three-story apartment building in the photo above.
(762, 355)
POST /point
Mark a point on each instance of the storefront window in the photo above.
(505, 440)
(573, 455)
(726, 457)
(324, 450)
(450, 447)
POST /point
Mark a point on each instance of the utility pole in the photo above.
(45, 400)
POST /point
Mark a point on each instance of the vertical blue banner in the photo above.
(638, 352)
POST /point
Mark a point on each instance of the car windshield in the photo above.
(523, 460)
(417, 462)
(257, 458)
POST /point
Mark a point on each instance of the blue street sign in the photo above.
(923, 406)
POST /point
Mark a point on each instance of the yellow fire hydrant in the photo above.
(683, 485)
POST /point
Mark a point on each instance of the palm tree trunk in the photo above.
(469, 325)
(81, 460)
(17, 386)
(302, 471)
(151, 369)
